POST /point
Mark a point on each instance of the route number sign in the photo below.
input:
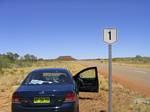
(110, 35)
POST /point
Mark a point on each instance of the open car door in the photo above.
(87, 80)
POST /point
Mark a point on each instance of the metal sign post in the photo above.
(110, 78)
(110, 37)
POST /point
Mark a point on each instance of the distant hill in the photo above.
(65, 58)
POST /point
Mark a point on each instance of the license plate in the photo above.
(41, 100)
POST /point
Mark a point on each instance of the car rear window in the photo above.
(47, 78)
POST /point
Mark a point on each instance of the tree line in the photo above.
(138, 59)
(10, 59)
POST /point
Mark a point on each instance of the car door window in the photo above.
(88, 74)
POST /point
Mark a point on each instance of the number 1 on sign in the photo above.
(109, 35)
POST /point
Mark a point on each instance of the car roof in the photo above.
(50, 70)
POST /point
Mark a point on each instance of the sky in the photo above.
(52, 28)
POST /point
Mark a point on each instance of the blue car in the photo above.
(53, 90)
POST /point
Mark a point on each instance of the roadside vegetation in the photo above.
(133, 60)
(137, 61)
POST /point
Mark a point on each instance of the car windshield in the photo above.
(46, 78)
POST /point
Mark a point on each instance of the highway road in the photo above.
(137, 79)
